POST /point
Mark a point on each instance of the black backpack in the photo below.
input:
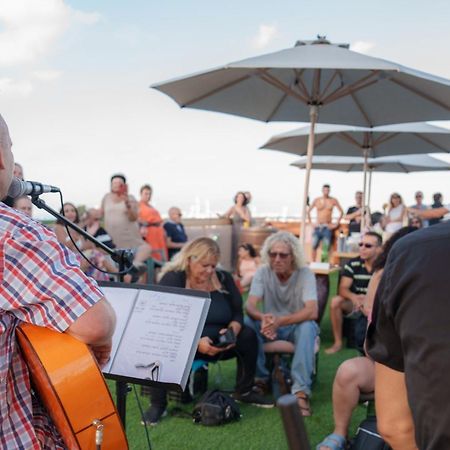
(215, 408)
(367, 436)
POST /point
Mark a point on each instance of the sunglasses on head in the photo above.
(273, 255)
(362, 244)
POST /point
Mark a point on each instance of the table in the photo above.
(341, 258)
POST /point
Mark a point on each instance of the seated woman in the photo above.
(395, 216)
(248, 263)
(94, 255)
(194, 267)
(356, 376)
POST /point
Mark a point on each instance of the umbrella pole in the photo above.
(363, 215)
(313, 114)
(370, 188)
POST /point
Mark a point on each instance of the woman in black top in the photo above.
(195, 268)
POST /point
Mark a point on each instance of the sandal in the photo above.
(303, 404)
(333, 442)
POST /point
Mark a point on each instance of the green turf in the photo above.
(259, 428)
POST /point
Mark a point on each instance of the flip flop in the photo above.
(333, 442)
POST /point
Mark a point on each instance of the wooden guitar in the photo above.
(71, 386)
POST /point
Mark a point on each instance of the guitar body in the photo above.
(72, 388)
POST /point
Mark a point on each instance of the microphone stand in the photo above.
(124, 257)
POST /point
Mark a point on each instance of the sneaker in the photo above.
(262, 386)
(253, 398)
(153, 415)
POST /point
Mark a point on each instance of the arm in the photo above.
(393, 413)
(353, 215)
(171, 244)
(132, 208)
(309, 312)
(435, 213)
(244, 213)
(341, 211)
(251, 307)
(236, 303)
(229, 213)
(371, 291)
(95, 327)
(344, 291)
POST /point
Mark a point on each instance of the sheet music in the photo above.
(162, 328)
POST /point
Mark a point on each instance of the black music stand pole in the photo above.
(294, 426)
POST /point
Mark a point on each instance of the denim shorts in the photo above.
(321, 233)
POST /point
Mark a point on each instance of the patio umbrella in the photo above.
(343, 140)
(296, 83)
(398, 164)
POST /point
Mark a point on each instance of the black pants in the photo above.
(245, 351)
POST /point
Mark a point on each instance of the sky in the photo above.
(75, 91)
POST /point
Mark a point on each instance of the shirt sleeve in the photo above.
(257, 286)
(42, 282)
(348, 271)
(309, 286)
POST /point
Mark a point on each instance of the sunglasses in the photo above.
(362, 244)
(273, 255)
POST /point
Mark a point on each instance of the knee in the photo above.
(347, 373)
(247, 338)
(336, 302)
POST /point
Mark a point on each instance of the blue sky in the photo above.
(74, 88)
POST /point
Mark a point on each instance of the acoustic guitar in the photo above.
(72, 388)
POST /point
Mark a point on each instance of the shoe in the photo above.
(253, 398)
(262, 386)
(153, 415)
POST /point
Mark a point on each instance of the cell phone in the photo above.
(226, 339)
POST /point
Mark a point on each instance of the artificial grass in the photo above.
(259, 428)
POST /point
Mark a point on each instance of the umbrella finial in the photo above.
(320, 40)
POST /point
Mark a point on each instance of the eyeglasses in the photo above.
(273, 255)
(362, 244)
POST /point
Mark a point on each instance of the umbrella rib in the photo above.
(419, 93)
(384, 137)
(429, 141)
(301, 86)
(342, 91)
(277, 107)
(361, 109)
(350, 139)
(329, 84)
(269, 79)
(215, 91)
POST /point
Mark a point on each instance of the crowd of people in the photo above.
(396, 285)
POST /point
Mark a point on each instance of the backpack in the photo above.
(215, 408)
(367, 436)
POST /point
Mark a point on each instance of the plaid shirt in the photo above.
(42, 284)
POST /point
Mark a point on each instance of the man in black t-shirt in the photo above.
(409, 340)
(354, 214)
(352, 291)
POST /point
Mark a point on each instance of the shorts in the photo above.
(321, 233)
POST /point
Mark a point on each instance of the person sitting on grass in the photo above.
(248, 263)
(287, 290)
(352, 291)
(195, 267)
(356, 376)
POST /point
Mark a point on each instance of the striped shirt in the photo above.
(42, 284)
(356, 270)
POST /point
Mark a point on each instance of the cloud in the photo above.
(30, 28)
(362, 46)
(47, 75)
(9, 86)
(265, 35)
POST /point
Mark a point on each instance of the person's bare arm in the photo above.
(95, 328)
(435, 213)
(394, 420)
(171, 244)
(353, 215)
(344, 291)
(251, 307)
(244, 213)
(309, 312)
(341, 211)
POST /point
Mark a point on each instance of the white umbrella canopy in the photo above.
(396, 164)
(298, 83)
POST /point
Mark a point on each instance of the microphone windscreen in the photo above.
(17, 188)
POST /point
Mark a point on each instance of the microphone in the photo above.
(19, 188)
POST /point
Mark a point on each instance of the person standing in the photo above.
(437, 204)
(419, 205)
(151, 225)
(354, 214)
(175, 233)
(43, 285)
(323, 229)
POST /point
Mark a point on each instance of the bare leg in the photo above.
(339, 306)
(354, 376)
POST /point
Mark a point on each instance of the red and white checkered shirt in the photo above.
(42, 284)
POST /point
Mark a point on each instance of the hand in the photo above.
(359, 302)
(205, 346)
(332, 226)
(102, 353)
(269, 326)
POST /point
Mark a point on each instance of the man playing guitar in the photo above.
(41, 284)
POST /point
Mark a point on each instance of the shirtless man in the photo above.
(324, 226)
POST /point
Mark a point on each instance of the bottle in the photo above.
(341, 242)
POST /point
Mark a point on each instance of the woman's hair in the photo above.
(118, 175)
(61, 211)
(395, 194)
(380, 262)
(245, 198)
(298, 260)
(251, 250)
(146, 186)
(197, 249)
